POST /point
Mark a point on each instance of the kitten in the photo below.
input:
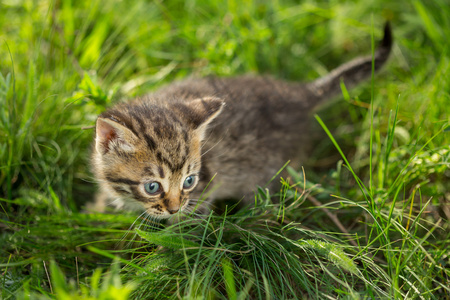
(162, 150)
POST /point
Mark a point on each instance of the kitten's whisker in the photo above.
(129, 229)
(216, 156)
(213, 146)
(113, 202)
(139, 227)
(149, 221)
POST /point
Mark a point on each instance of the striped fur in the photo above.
(239, 131)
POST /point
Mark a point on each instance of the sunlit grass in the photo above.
(367, 220)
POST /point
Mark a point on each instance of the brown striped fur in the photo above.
(238, 130)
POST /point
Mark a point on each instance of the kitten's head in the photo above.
(150, 151)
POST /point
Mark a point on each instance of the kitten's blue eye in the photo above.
(152, 187)
(189, 182)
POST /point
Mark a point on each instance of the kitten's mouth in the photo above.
(161, 216)
(158, 213)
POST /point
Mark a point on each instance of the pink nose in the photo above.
(172, 211)
(172, 205)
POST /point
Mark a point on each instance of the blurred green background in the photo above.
(63, 62)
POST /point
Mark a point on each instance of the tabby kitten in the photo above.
(162, 150)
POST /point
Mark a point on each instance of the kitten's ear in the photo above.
(202, 111)
(111, 134)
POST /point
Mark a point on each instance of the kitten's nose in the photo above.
(172, 211)
(172, 206)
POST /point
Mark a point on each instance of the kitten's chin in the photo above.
(166, 216)
(160, 217)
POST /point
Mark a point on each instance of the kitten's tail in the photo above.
(354, 71)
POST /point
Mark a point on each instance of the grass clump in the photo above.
(368, 220)
(248, 254)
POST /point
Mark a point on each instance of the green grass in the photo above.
(368, 217)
